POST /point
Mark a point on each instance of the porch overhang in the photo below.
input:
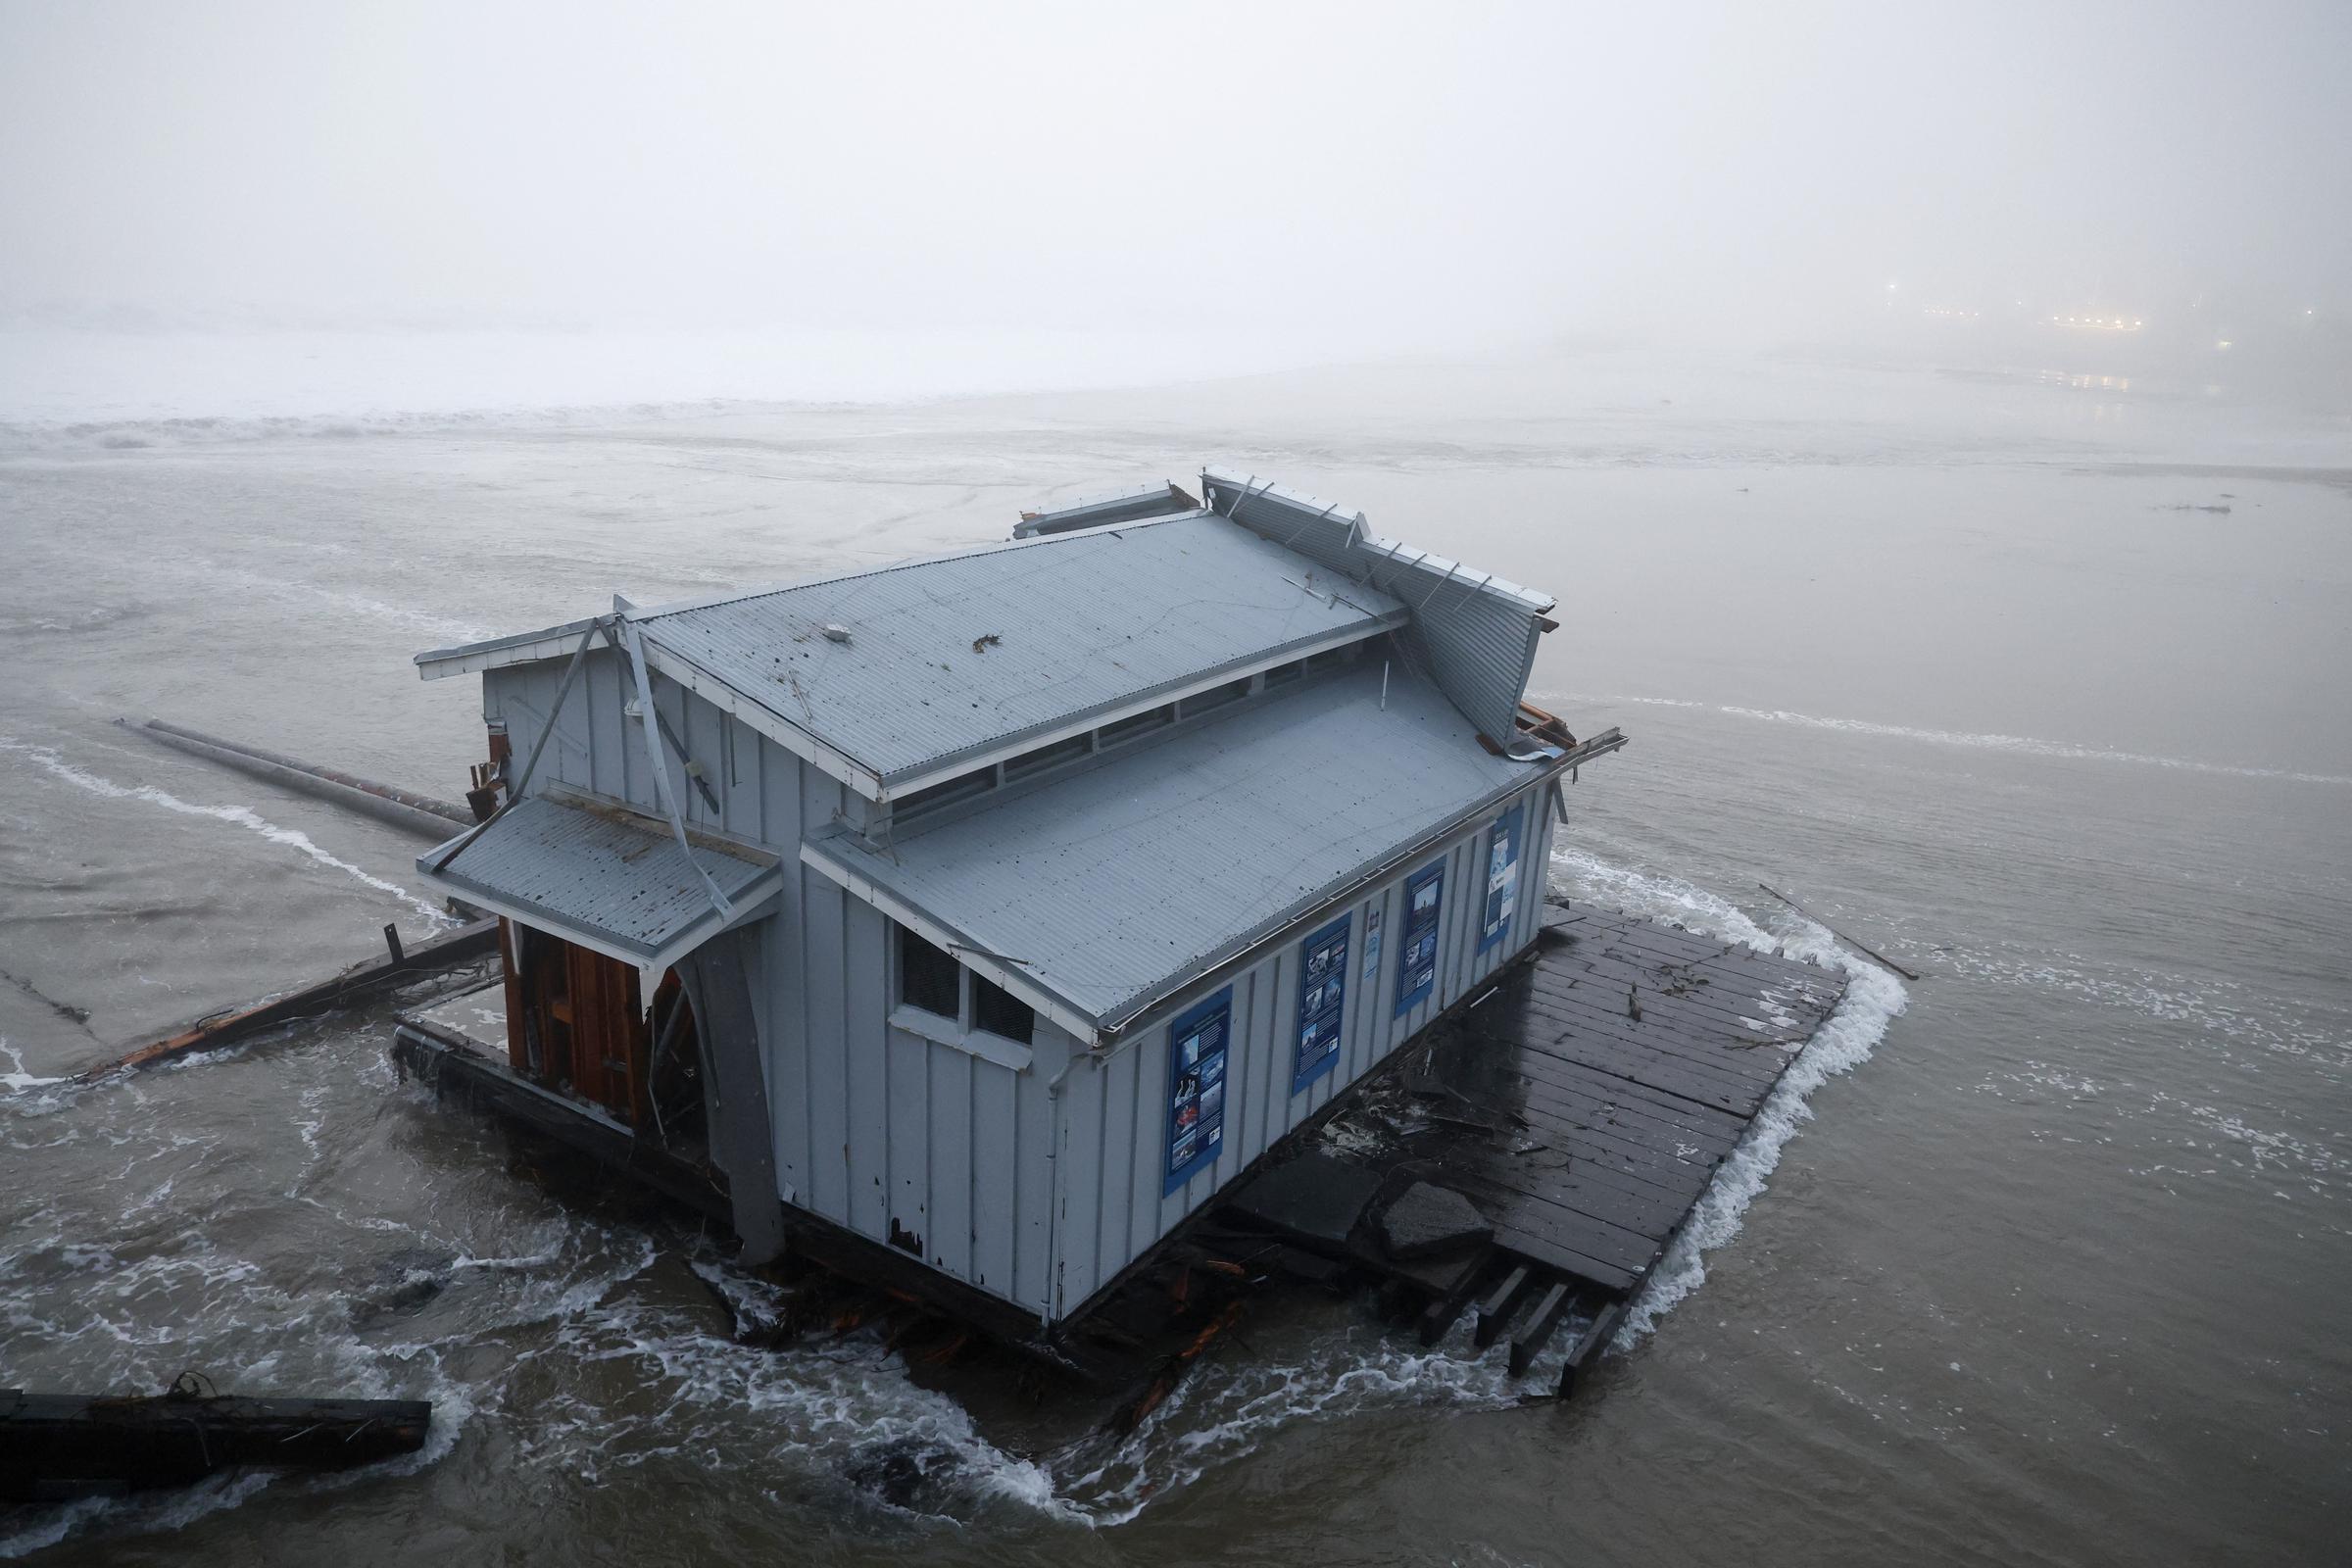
(606, 879)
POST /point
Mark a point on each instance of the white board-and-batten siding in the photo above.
(1037, 1185)
(1114, 1105)
(874, 1127)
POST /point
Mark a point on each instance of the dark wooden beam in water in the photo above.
(1593, 1340)
(356, 984)
(55, 1447)
(1496, 1311)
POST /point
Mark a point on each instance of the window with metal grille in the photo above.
(1001, 1013)
(928, 978)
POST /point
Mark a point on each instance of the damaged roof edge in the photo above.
(1240, 489)
(1162, 499)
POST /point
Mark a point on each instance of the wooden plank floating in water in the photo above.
(356, 984)
(1622, 1063)
(55, 1447)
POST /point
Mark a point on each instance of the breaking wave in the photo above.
(243, 817)
(2023, 745)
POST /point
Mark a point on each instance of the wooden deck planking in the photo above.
(1717, 1053)
(1671, 994)
(1584, 1135)
(1622, 1122)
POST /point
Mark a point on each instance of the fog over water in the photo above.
(1341, 180)
(1938, 432)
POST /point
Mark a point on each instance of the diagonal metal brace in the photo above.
(555, 713)
(660, 762)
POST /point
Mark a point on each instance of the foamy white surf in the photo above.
(1227, 1410)
(17, 1080)
(2024, 745)
(1873, 1000)
(821, 1405)
(243, 817)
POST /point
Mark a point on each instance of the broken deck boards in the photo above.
(1583, 1104)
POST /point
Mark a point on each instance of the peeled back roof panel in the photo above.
(624, 886)
(1118, 885)
(959, 655)
(1472, 632)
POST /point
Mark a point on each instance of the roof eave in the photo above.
(1152, 1004)
(818, 854)
(1125, 1020)
(495, 652)
(754, 900)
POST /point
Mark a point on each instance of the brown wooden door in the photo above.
(573, 1023)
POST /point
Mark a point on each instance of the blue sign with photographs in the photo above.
(1196, 1043)
(1322, 992)
(1502, 878)
(1417, 951)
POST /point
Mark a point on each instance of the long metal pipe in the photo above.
(405, 808)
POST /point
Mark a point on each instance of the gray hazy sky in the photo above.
(1362, 172)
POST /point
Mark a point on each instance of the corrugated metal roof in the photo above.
(599, 877)
(1117, 885)
(951, 657)
(1473, 633)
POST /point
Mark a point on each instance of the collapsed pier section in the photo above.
(1566, 1125)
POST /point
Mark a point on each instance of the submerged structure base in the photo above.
(1529, 1161)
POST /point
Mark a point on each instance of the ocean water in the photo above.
(2035, 683)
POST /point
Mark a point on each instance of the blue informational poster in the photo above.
(1503, 877)
(1417, 948)
(1196, 1043)
(1322, 992)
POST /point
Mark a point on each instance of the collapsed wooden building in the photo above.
(993, 914)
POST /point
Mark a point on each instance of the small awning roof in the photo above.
(1101, 893)
(606, 879)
